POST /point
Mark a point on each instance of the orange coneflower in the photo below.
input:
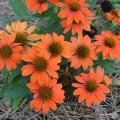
(24, 34)
(114, 14)
(90, 88)
(106, 80)
(74, 10)
(39, 5)
(83, 52)
(9, 51)
(40, 65)
(46, 95)
(76, 27)
(54, 46)
(109, 44)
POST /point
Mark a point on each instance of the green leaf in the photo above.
(107, 65)
(115, 1)
(116, 83)
(15, 90)
(19, 9)
(52, 25)
(117, 5)
(16, 103)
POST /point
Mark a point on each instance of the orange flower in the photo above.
(90, 88)
(39, 5)
(23, 32)
(106, 80)
(108, 44)
(54, 46)
(114, 15)
(46, 95)
(83, 52)
(9, 51)
(40, 65)
(76, 27)
(74, 10)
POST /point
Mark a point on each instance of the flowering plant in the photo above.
(55, 52)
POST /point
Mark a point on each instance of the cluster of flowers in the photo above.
(75, 13)
(43, 57)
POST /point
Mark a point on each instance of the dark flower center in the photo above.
(41, 1)
(74, 6)
(55, 49)
(40, 64)
(5, 51)
(75, 23)
(82, 51)
(110, 43)
(45, 93)
(21, 38)
(91, 86)
(106, 6)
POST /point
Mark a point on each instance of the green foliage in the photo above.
(14, 90)
(16, 103)
(116, 83)
(50, 22)
(19, 9)
(115, 1)
(92, 4)
(107, 65)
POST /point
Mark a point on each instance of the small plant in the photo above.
(40, 60)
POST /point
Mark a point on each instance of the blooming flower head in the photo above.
(109, 44)
(46, 95)
(90, 87)
(74, 10)
(82, 52)
(10, 53)
(114, 15)
(76, 27)
(23, 33)
(39, 5)
(54, 46)
(39, 65)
